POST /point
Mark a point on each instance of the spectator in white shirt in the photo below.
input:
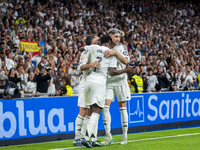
(31, 84)
(37, 58)
(152, 80)
(187, 80)
(9, 60)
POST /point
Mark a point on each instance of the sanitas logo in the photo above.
(20, 121)
(165, 109)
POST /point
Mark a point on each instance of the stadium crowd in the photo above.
(162, 38)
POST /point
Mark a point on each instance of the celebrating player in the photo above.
(95, 87)
(84, 113)
(117, 85)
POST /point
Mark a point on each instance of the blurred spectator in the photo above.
(74, 76)
(162, 80)
(187, 80)
(51, 86)
(31, 84)
(58, 80)
(13, 77)
(151, 80)
(42, 80)
(5, 84)
(171, 76)
(37, 58)
(66, 89)
(196, 72)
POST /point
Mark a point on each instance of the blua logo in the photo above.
(20, 121)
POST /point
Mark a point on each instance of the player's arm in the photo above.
(135, 85)
(94, 64)
(114, 72)
(121, 58)
(84, 61)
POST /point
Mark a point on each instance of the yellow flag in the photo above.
(29, 46)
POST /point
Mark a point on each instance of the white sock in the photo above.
(78, 126)
(106, 119)
(95, 133)
(92, 126)
(84, 126)
(124, 121)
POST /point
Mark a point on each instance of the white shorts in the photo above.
(122, 92)
(81, 99)
(94, 94)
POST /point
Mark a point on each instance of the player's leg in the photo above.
(81, 119)
(107, 123)
(124, 121)
(123, 94)
(106, 115)
(78, 126)
(93, 97)
(85, 121)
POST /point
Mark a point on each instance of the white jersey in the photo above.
(83, 60)
(99, 74)
(151, 82)
(122, 78)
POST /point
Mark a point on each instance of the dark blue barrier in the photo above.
(38, 117)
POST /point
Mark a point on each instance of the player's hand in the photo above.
(109, 53)
(95, 64)
(129, 69)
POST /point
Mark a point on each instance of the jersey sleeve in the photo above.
(83, 59)
(113, 62)
(125, 52)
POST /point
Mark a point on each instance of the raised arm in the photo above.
(121, 58)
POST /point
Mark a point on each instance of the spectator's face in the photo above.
(31, 76)
(115, 38)
(141, 68)
(171, 68)
(196, 68)
(159, 69)
(63, 82)
(10, 56)
(2, 83)
(42, 71)
(150, 72)
(20, 69)
(60, 59)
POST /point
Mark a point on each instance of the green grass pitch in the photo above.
(176, 139)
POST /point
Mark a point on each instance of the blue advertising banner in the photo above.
(23, 118)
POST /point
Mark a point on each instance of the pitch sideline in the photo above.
(131, 141)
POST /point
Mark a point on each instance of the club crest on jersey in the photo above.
(83, 57)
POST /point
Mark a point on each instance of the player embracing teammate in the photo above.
(99, 83)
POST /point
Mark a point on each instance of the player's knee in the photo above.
(122, 104)
(82, 112)
(107, 102)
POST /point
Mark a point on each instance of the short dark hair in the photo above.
(89, 39)
(105, 39)
(149, 69)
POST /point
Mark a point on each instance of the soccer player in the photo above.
(84, 111)
(117, 85)
(95, 87)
